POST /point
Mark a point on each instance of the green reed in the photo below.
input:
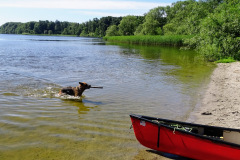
(172, 40)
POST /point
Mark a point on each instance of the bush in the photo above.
(226, 60)
(219, 35)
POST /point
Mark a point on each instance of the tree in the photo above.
(37, 29)
(158, 14)
(219, 35)
(153, 22)
(138, 30)
(28, 27)
(42, 26)
(104, 23)
(64, 25)
(84, 32)
(112, 31)
(65, 31)
(95, 27)
(184, 17)
(50, 32)
(51, 26)
(57, 27)
(19, 29)
(128, 25)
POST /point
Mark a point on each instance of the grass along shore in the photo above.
(171, 40)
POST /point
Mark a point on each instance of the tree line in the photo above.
(213, 24)
(93, 28)
(181, 18)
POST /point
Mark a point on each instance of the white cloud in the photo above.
(81, 4)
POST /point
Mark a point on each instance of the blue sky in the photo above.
(73, 10)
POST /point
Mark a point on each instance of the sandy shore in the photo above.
(221, 102)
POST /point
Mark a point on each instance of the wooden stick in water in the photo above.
(97, 87)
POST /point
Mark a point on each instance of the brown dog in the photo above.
(75, 91)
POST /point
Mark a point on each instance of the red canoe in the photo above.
(186, 139)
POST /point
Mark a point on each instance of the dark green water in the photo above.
(35, 123)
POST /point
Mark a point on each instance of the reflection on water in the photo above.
(37, 123)
(83, 105)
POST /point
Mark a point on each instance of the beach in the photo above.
(220, 104)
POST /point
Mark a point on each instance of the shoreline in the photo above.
(164, 40)
(220, 104)
(221, 99)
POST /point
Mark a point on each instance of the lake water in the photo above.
(35, 123)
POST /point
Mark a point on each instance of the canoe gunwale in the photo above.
(214, 140)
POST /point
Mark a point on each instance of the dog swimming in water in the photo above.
(76, 91)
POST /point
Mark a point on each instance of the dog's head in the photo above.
(84, 85)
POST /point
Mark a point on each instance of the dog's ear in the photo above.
(81, 83)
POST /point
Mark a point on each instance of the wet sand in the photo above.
(220, 104)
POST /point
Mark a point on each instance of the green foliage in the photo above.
(105, 22)
(153, 22)
(184, 17)
(9, 27)
(138, 30)
(128, 25)
(149, 28)
(226, 60)
(219, 35)
(95, 27)
(112, 31)
(175, 40)
(212, 26)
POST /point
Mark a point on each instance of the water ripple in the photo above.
(37, 123)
